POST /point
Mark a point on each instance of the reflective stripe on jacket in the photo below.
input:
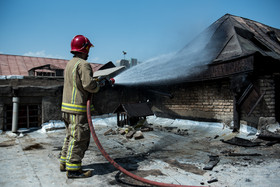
(78, 84)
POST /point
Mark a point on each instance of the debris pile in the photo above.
(136, 131)
(175, 130)
(241, 142)
(130, 132)
(270, 131)
(213, 161)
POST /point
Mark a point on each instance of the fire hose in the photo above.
(116, 165)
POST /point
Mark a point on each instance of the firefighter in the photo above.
(78, 86)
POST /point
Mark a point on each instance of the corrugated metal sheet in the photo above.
(20, 65)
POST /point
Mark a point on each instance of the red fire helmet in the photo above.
(80, 44)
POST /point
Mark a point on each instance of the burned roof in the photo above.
(20, 65)
(232, 37)
(245, 37)
(135, 110)
(231, 45)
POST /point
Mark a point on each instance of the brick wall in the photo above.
(209, 100)
(267, 86)
(213, 101)
(266, 107)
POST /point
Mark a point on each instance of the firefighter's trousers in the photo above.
(76, 141)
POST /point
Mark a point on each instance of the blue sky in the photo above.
(146, 29)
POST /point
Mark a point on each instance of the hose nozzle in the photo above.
(103, 81)
(112, 81)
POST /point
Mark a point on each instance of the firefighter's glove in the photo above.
(102, 82)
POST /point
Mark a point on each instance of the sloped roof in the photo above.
(135, 110)
(20, 65)
(233, 37)
(245, 37)
(109, 70)
(107, 65)
(231, 45)
(47, 66)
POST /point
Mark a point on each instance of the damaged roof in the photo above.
(20, 65)
(232, 37)
(231, 45)
(244, 37)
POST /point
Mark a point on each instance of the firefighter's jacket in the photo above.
(78, 85)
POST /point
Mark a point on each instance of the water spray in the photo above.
(176, 67)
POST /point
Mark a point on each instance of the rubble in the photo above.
(146, 129)
(268, 123)
(122, 131)
(241, 142)
(270, 136)
(213, 179)
(243, 154)
(213, 161)
(110, 132)
(138, 135)
(130, 134)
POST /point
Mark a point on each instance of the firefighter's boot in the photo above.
(62, 167)
(78, 174)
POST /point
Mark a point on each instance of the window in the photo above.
(45, 74)
(28, 116)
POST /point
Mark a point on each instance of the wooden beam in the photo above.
(236, 114)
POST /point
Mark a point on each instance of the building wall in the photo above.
(266, 106)
(43, 93)
(267, 86)
(211, 101)
(51, 108)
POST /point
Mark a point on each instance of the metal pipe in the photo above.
(15, 114)
(27, 118)
(236, 114)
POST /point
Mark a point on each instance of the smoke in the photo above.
(192, 59)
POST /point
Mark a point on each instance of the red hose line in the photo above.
(116, 165)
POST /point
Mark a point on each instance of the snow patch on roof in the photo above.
(4, 77)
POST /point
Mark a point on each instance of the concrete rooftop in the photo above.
(166, 154)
